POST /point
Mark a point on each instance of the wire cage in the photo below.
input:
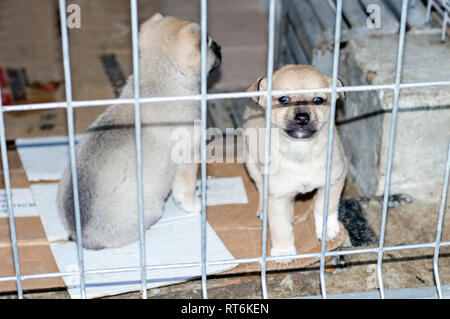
(273, 19)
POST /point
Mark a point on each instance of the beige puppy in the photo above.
(106, 156)
(299, 122)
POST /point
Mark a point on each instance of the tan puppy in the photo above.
(106, 156)
(299, 122)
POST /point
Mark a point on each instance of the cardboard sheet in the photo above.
(231, 199)
(232, 225)
(44, 158)
(175, 238)
(241, 231)
(169, 242)
(23, 203)
(34, 254)
(45, 197)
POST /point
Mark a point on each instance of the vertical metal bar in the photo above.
(203, 106)
(137, 128)
(444, 25)
(428, 12)
(71, 132)
(12, 225)
(337, 44)
(398, 74)
(270, 63)
(279, 29)
(439, 226)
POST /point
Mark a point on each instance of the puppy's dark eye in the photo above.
(284, 100)
(318, 100)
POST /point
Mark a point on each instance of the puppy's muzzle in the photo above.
(301, 126)
(302, 118)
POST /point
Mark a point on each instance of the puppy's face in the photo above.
(179, 40)
(297, 115)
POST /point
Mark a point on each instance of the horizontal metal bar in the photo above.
(228, 261)
(216, 96)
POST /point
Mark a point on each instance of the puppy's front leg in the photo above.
(183, 189)
(333, 227)
(280, 226)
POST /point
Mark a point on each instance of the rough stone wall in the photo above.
(423, 130)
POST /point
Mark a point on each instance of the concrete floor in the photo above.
(407, 224)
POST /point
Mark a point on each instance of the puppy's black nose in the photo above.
(302, 118)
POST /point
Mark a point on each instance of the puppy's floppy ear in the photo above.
(259, 85)
(156, 17)
(146, 27)
(340, 83)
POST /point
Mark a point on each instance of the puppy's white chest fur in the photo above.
(303, 168)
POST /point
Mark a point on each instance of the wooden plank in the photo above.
(296, 48)
(388, 18)
(289, 57)
(416, 12)
(297, 24)
(295, 20)
(308, 19)
(325, 14)
(354, 14)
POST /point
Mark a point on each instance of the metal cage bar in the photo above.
(12, 225)
(217, 96)
(203, 110)
(229, 262)
(71, 133)
(269, 93)
(437, 4)
(323, 244)
(203, 97)
(439, 227)
(393, 132)
(138, 135)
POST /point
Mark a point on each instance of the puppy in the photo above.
(106, 156)
(299, 122)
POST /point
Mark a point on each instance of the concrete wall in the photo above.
(423, 131)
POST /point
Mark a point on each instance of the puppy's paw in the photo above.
(333, 227)
(192, 206)
(274, 252)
